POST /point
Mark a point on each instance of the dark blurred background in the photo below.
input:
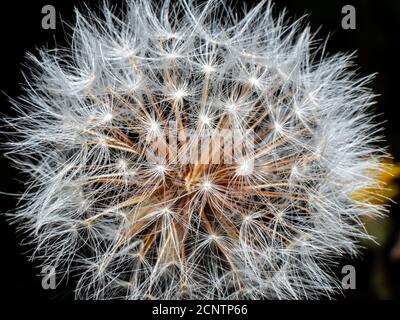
(375, 40)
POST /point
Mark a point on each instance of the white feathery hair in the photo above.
(128, 227)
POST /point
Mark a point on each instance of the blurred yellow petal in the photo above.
(386, 185)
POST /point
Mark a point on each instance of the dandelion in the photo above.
(115, 200)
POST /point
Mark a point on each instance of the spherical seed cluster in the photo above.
(141, 214)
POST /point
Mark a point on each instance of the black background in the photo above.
(375, 40)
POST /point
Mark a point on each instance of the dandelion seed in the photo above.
(254, 81)
(208, 68)
(122, 164)
(107, 117)
(160, 168)
(179, 94)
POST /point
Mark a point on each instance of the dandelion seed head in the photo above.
(143, 213)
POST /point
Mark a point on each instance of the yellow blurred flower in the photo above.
(386, 187)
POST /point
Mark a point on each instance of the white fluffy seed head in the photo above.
(186, 227)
